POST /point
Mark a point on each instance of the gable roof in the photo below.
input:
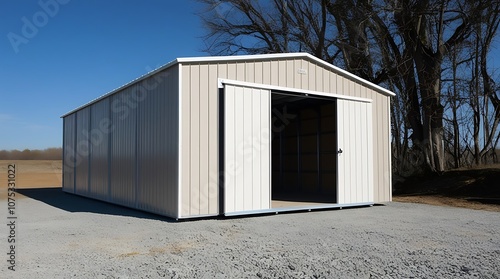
(236, 58)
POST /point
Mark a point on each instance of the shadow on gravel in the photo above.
(57, 198)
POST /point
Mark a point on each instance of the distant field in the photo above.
(31, 174)
(34, 173)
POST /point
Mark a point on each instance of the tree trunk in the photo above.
(454, 107)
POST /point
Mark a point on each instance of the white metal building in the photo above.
(233, 135)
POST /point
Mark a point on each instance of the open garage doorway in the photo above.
(304, 150)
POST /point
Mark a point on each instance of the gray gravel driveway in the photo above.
(64, 236)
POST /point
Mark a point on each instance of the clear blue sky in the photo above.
(77, 51)
(58, 56)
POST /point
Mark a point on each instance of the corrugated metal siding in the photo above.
(200, 148)
(157, 155)
(247, 140)
(69, 155)
(296, 73)
(99, 149)
(123, 148)
(82, 151)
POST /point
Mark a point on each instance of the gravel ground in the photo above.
(64, 236)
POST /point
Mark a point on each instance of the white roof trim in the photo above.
(240, 58)
(222, 81)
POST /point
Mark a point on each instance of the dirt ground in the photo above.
(31, 174)
(476, 188)
(48, 173)
(34, 173)
(447, 201)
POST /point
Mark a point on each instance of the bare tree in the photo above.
(401, 44)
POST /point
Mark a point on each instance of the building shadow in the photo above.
(73, 203)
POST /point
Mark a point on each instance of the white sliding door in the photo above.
(355, 152)
(247, 149)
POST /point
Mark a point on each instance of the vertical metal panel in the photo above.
(258, 72)
(204, 141)
(229, 149)
(255, 132)
(290, 72)
(240, 71)
(99, 149)
(274, 73)
(388, 170)
(82, 151)
(213, 141)
(250, 72)
(157, 143)
(354, 165)
(231, 71)
(123, 147)
(186, 147)
(319, 79)
(377, 150)
(239, 130)
(355, 142)
(297, 67)
(69, 153)
(304, 78)
(311, 76)
(281, 73)
(382, 149)
(369, 150)
(195, 141)
(266, 72)
(341, 141)
(264, 142)
(247, 149)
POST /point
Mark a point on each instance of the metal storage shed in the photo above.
(233, 135)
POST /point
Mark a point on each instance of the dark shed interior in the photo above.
(304, 149)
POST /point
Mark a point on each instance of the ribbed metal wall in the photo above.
(123, 140)
(125, 146)
(69, 153)
(200, 151)
(82, 151)
(157, 153)
(100, 124)
(199, 99)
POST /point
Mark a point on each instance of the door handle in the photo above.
(340, 151)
